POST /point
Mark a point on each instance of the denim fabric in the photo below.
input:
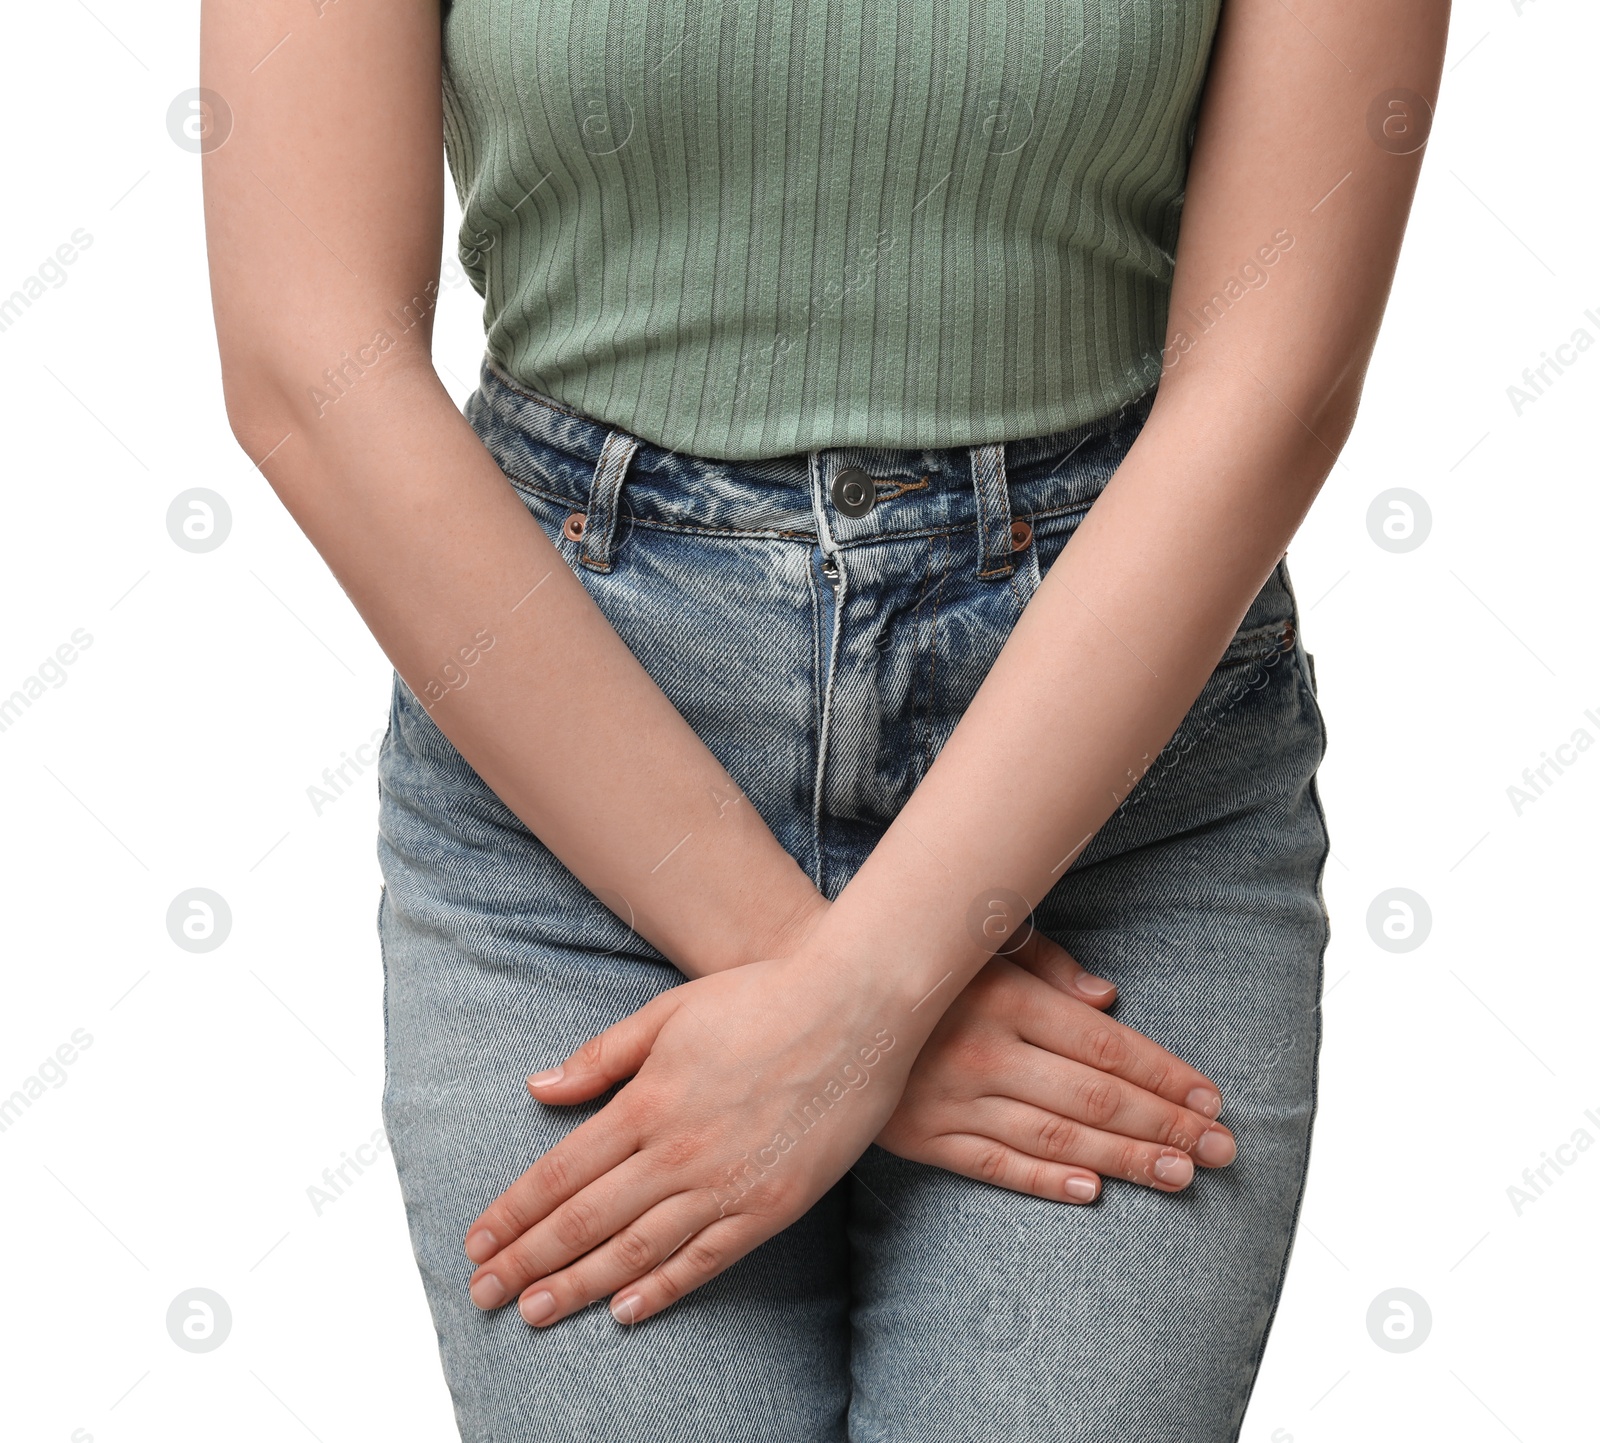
(825, 660)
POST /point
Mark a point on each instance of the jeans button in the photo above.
(854, 492)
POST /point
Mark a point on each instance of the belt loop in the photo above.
(605, 489)
(994, 509)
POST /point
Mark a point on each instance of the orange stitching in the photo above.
(901, 487)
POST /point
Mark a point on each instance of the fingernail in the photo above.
(624, 1306)
(481, 1245)
(487, 1292)
(1216, 1148)
(545, 1078)
(1095, 987)
(1204, 1101)
(1080, 1189)
(1174, 1168)
(537, 1308)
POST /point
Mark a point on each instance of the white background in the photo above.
(176, 1151)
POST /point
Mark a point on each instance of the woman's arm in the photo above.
(324, 210)
(323, 213)
(1297, 133)
(1304, 130)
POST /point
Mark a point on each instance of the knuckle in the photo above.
(1181, 1131)
(1165, 1078)
(577, 1224)
(991, 1163)
(633, 1250)
(1098, 1099)
(555, 1175)
(1103, 1048)
(702, 1258)
(1058, 1137)
(593, 1052)
(676, 1150)
(1130, 1162)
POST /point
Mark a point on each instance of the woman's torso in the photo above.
(752, 228)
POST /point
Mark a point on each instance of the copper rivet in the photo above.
(574, 526)
(1021, 535)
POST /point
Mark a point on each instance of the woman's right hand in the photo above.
(1025, 1083)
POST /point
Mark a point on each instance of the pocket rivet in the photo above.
(1021, 535)
(573, 529)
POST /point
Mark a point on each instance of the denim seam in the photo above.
(814, 593)
(933, 641)
(1316, 1050)
(819, 782)
(918, 702)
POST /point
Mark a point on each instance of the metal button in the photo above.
(1021, 535)
(854, 492)
(573, 529)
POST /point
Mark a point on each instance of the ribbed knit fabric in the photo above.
(745, 228)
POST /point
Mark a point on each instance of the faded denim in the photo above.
(910, 1305)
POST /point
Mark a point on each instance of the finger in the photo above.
(699, 1260)
(590, 1150)
(1058, 1024)
(1106, 1102)
(1049, 1137)
(992, 1160)
(607, 1058)
(1051, 962)
(583, 1222)
(625, 1258)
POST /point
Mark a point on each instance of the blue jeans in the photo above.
(825, 658)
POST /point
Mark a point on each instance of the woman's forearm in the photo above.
(324, 210)
(518, 667)
(1258, 397)
(1095, 678)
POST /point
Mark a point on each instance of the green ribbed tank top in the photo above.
(746, 228)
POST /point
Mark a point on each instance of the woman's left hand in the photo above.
(753, 1091)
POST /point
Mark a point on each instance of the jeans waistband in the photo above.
(605, 472)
